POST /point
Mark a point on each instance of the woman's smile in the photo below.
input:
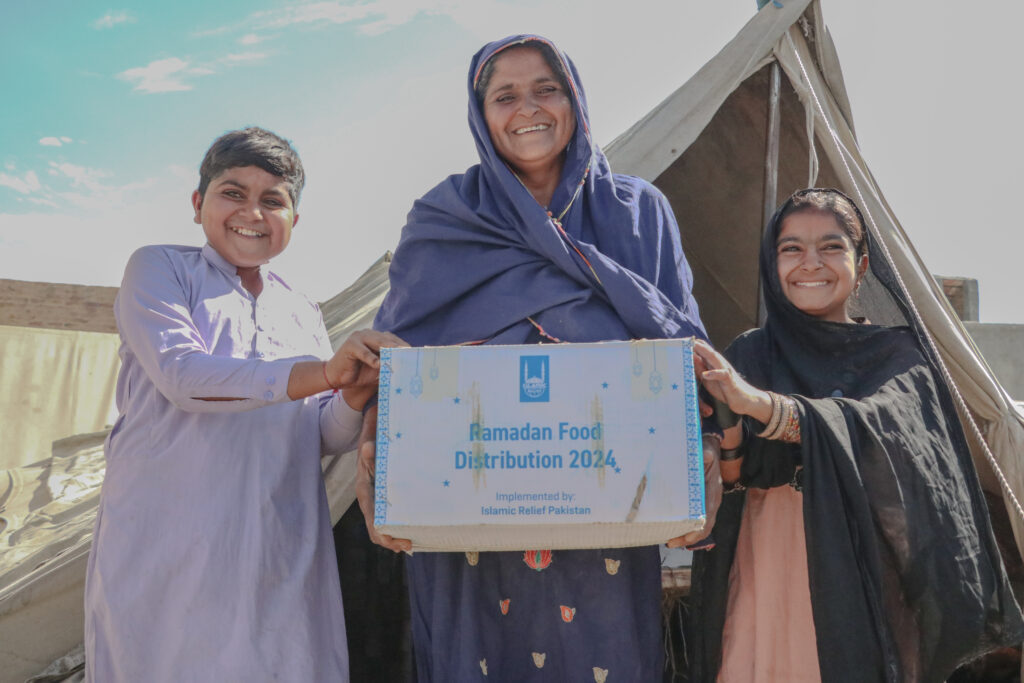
(529, 114)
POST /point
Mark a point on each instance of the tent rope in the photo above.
(947, 376)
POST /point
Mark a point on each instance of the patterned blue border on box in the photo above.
(694, 442)
(380, 498)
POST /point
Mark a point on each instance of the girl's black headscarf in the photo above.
(905, 575)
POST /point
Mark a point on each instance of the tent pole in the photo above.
(771, 168)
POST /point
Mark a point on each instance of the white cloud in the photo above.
(376, 17)
(66, 140)
(163, 75)
(25, 185)
(317, 12)
(112, 19)
(70, 187)
(50, 142)
(243, 57)
(65, 243)
(90, 189)
(183, 173)
(80, 176)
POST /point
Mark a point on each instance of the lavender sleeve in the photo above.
(339, 424)
(153, 316)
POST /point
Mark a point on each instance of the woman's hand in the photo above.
(725, 384)
(366, 469)
(712, 495)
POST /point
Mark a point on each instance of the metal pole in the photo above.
(771, 168)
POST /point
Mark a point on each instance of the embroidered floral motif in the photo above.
(483, 667)
(537, 559)
(538, 659)
(600, 675)
(472, 557)
(568, 613)
(503, 604)
(611, 566)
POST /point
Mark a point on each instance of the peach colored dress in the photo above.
(769, 628)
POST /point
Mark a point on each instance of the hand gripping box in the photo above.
(539, 446)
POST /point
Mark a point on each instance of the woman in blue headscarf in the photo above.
(539, 242)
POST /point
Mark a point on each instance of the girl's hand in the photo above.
(722, 381)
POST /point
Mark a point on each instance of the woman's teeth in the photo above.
(530, 129)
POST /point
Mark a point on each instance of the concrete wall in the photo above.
(57, 306)
(1002, 345)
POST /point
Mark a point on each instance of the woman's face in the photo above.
(817, 264)
(529, 115)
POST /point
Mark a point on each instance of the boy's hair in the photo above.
(254, 147)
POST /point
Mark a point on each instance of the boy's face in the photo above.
(247, 215)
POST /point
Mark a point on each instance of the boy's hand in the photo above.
(356, 364)
(366, 469)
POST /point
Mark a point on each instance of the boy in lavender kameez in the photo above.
(212, 558)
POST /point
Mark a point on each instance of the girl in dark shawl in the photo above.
(539, 242)
(854, 544)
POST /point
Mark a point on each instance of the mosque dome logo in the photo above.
(534, 383)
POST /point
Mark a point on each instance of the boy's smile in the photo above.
(247, 215)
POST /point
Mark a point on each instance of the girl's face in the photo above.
(818, 265)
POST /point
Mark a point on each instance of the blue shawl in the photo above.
(480, 260)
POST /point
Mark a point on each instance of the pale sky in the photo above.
(108, 110)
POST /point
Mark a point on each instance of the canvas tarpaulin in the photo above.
(53, 384)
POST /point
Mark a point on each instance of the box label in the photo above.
(583, 433)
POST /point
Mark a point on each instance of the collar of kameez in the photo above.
(219, 262)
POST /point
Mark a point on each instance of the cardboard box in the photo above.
(539, 446)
